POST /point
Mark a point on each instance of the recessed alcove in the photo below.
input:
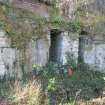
(56, 45)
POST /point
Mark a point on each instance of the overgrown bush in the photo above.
(57, 85)
(64, 87)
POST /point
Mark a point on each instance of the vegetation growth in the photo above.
(22, 26)
(54, 84)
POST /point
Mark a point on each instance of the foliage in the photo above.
(52, 86)
(90, 83)
(59, 82)
(84, 84)
(22, 26)
(58, 22)
(95, 102)
(91, 20)
(71, 61)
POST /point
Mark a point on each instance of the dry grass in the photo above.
(98, 101)
(28, 94)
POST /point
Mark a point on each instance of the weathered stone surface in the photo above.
(94, 53)
(68, 7)
(37, 52)
(9, 63)
(9, 59)
(69, 45)
(4, 40)
(97, 6)
(29, 5)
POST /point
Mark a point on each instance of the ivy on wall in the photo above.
(21, 25)
(92, 21)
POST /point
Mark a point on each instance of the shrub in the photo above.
(64, 87)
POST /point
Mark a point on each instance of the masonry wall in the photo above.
(94, 52)
(9, 58)
(70, 45)
(38, 52)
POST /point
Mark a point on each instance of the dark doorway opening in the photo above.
(56, 46)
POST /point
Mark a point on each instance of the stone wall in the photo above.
(70, 45)
(65, 43)
(9, 58)
(94, 52)
(38, 52)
